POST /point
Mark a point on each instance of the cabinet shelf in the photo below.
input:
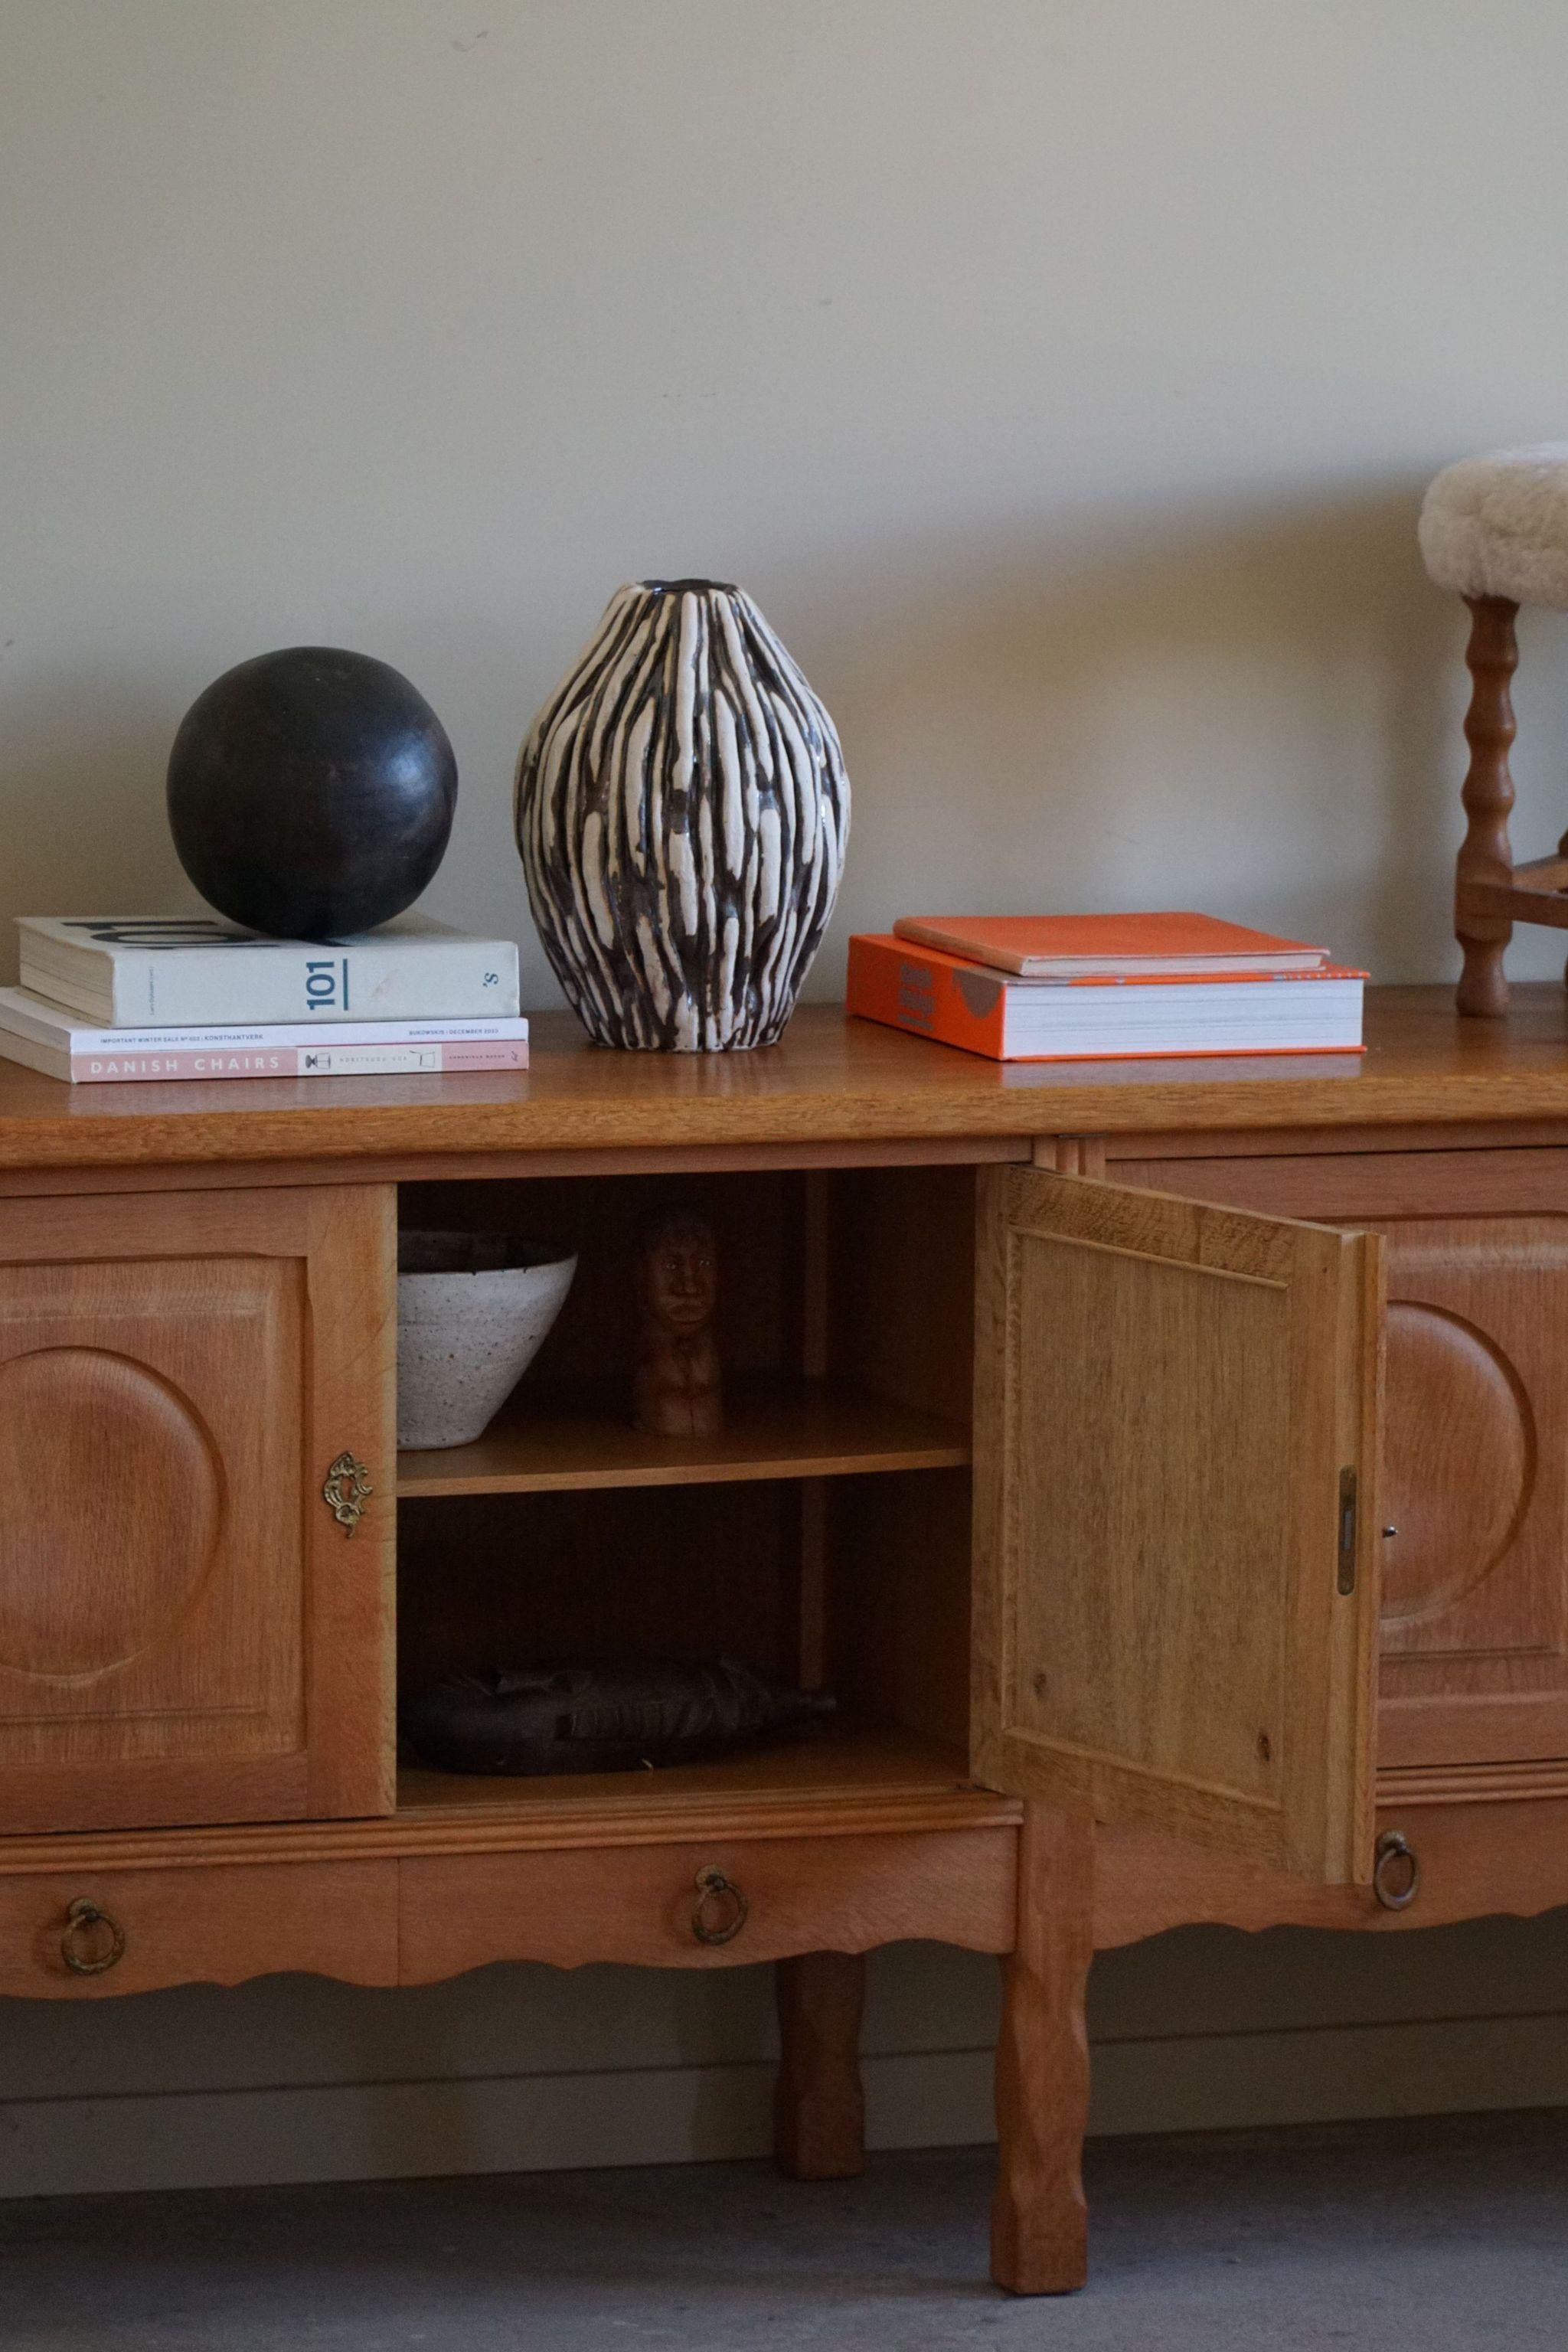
(773, 1429)
(856, 1769)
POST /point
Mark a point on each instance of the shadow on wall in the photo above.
(1257, 713)
(1257, 717)
(83, 810)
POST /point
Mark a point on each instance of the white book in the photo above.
(63, 1045)
(1286, 1013)
(161, 972)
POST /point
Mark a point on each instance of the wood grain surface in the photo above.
(831, 1079)
(1167, 1399)
(351, 1630)
(1475, 1635)
(855, 1781)
(800, 1894)
(1507, 1857)
(773, 1429)
(1486, 857)
(872, 1833)
(1364, 1187)
(184, 1636)
(335, 1919)
(1039, 2221)
(819, 2103)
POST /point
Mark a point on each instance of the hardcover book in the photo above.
(1104, 1017)
(1063, 946)
(158, 971)
(62, 1046)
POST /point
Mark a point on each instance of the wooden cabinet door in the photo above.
(1176, 1582)
(188, 1632)
(1474, 1484)
(1474, 1488)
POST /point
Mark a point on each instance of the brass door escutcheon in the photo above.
(345, 1491)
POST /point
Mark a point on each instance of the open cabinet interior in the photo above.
(821, 1536)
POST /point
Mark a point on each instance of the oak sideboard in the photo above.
(1164, 1465)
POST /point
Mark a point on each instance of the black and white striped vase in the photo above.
(681, 814)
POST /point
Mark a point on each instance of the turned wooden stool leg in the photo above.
(1486, 857)
(1039, 2223)
(819, 2108)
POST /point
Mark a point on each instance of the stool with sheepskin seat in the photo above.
(1496, 528)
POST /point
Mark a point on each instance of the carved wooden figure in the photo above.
(677, 1388)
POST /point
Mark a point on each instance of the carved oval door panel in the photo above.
(1474, 1468)
(1454, 1402)
(1475, 1471)
(187, 1633)
(104, 1465)
(151, 1590)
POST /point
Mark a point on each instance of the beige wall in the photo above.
(1062, 376)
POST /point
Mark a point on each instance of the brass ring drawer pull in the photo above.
(720, 1912)
(76, 1943)
(1396, 1878)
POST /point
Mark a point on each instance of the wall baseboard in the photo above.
(507, 2123)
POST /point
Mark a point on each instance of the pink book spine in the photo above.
(303, 1061)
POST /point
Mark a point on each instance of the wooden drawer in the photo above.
(1354, 1186)
(641, 1903)
(212, 1925)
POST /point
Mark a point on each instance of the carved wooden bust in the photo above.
(676, 1392)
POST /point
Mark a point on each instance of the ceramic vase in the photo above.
(681, 814)
(473, 1311)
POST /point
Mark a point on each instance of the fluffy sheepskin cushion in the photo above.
(1498, 526)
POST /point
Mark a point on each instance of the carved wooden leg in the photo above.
(1039, 2223)
(1486, 856)
(819, 2108)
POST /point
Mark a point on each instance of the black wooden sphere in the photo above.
(310, 792)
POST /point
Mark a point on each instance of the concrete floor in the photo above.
(1445, 2235)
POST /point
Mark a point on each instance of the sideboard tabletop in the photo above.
(831, 1080)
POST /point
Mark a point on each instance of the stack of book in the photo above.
(107, 998)
(1067, 988)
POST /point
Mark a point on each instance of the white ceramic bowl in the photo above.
(472, 1312)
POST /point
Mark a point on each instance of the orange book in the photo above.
(1102, 1017)
(1121, 946)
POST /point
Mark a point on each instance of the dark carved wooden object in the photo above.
(677, 1391)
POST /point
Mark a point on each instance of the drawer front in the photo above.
(704, 1906)
(1362, 1187)
(87, 1933)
